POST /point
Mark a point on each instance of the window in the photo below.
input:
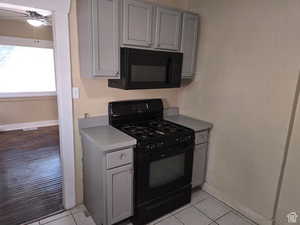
(26, 71)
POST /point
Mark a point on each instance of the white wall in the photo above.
(248, 63)
(289, 200)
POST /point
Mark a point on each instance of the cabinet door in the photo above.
(119, 193)
(137, 23)
(189, 43)
(105, 37)
(168, 29)
(199, 165)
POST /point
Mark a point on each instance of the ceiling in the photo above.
(19, 13)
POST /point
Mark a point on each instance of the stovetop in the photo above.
(143, 120)
(152, 129)
(157, 133)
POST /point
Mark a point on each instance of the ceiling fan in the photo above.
(34, 18)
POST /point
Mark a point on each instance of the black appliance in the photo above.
(163, 157)
(146, 69)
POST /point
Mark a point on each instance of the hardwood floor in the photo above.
(30, 175)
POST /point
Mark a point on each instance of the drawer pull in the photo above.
(119, 158)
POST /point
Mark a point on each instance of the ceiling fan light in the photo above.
(35, 23)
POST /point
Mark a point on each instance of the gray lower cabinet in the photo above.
(168, 29)
(189, 44)
(200, 158)
(119, 193)
(137, 23)
(199, 165)
(98, 29)
(108, 182)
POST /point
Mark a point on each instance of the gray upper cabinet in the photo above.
(168, 29)
(137, 23)
(189, 43)
(98, 29)
(106, 25)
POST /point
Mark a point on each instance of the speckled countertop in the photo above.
(108, 138)
(195, 124)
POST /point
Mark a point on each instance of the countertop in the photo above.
(108, 138)
(195, 124)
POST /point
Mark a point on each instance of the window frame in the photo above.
(26, 42)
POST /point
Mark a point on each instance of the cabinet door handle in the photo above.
(122, 156)
(117, 73)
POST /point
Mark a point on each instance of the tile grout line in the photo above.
(245, 218)
(229, 207)
(179, 220)
(195, 203)
(251, 222)
(203, 213)
(222, 216)
(180, 210)
(74, 219)
(167, 217)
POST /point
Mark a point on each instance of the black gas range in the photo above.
(163, 157)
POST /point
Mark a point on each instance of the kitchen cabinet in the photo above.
(202, 134)
(168, 29)
(189, 43)
(200, 157)
(137, 23)
(107, 173)
(199, 164)
(98, 29)
(106, 25)
(139, 30)
(120, 196)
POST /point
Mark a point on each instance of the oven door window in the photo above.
(166, 170)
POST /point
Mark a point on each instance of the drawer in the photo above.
(118, 158)
(201, 137)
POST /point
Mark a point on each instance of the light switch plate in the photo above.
(75, 93)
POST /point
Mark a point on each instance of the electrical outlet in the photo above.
(75, 92)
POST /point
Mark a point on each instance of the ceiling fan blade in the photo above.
(12, 12)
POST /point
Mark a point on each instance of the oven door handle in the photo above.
(170, 153)
(163, 155)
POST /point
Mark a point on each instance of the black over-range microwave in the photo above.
(146, 69)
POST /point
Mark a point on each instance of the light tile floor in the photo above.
(204, 209)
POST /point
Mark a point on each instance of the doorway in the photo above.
(30, 165)
(64, 97)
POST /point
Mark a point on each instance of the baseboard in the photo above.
(257, 218)
(21, 126)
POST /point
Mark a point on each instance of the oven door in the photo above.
(162, 172)
(142, 69)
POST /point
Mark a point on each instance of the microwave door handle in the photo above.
(169, 63)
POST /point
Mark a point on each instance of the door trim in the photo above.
(60, 11)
